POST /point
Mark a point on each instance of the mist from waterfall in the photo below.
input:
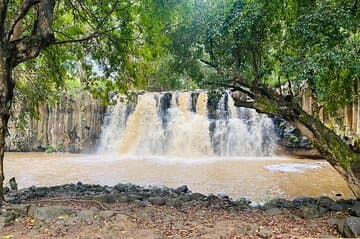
(186, 124)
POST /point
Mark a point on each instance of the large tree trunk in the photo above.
(6, 94)
(330, 145)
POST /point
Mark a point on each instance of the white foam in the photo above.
(293, 167)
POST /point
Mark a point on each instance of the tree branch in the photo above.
(41, 36)
(208, 63)
(3, 11)
(83, 39)
(20, 14)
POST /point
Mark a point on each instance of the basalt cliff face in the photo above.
(72, 125)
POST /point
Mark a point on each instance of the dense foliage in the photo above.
(301, 43)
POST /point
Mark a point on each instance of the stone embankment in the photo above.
(175, 212)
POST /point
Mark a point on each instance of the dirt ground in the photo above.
(131, 220)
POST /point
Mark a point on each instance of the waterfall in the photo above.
(186, 124)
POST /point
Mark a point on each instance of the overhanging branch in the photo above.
(77, 40)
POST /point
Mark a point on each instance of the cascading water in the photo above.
(186, 124)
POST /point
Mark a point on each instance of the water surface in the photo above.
(255, 178)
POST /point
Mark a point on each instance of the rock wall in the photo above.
(72, 125)
(346, 124)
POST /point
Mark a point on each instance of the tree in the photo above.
(256, 46)
(109, 45)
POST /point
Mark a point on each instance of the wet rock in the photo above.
(136, 196)
(182, 189)
(281, 203)
(345, 204)
(223, 195)
(355, 211)
(40, 192)
(13, 184)
(336, 207)
(351, 227)
(326, 202)
(308, 212)
(299, 201)
(173, 202)
(243, 202)
(197, 196)
(48, 212)
(157, 201)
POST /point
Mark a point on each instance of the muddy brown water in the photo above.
(256, 178)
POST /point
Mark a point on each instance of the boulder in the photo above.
(355, 211)
(326, 202)
(197, 196)
(351, 227)
(85, 215)
(173, 202)
(157, 201)
(308, 212)
(107, 214)
(300, 201)
(107, 198)
(48, 212)
(182, 189)
(273, 211)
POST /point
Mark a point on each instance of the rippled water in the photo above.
(255, 178)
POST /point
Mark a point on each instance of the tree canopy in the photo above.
(255, 46)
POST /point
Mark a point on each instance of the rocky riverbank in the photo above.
(131, 211)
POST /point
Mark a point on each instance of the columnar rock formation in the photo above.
(72, 125)
(346, 124)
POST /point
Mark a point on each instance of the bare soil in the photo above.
(144, 221)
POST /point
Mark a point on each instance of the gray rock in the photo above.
(273, 211)
(135, 196)
(345, 204)
(4, 221)
(339, 223)
(106, 198)
(173, 202)
(13, 184)
(264, 232)
(157, 201)
(48, 212)
(325, 202)
(7, 218)
(336, 207)
(197, 196)
(355, 211)
(6, 190)
(182, 189)
(284, 203)
(107, 214)
(308, 212)
(123, 198)
(85, 215)
(299, 201)
(351, 227)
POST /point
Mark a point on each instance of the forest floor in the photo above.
(76, 218)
